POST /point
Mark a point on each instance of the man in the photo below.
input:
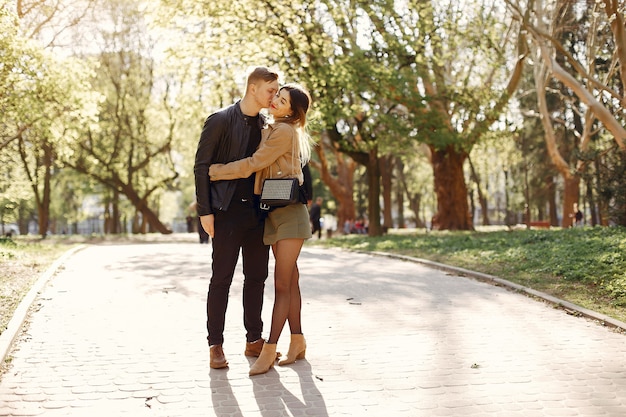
(315, 216)
(229, 214)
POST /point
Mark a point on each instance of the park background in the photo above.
(440, 115)
(434, 122)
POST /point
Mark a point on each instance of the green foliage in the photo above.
(5, 243)
(42, 98)
(129, 149)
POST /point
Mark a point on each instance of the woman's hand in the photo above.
(212, 169)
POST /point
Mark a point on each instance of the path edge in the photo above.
(14, 326)
(569, 308)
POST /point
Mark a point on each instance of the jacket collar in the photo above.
(262, 117)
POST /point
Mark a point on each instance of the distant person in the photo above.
(347, 226)
(229, 212)
(315, 215)
(283, 151)
(578, 216)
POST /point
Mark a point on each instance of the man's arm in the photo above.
(212, 132)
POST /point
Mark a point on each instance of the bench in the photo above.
(540, 224)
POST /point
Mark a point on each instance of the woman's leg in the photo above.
(286, 254)
(295, 307)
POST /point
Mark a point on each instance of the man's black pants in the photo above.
(238, 228)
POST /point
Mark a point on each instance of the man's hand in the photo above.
(208, 224)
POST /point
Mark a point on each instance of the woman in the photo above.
(283, 150)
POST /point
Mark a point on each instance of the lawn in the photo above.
(22, 261)
(585, 266)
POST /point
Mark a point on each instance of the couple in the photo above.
(238, 153)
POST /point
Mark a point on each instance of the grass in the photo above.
(585, 266)
(22, 261)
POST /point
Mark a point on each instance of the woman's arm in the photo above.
(278, 143)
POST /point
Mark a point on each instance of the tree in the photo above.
(130, 149)
(15, 191)
(454, 84)
(250, 33)
(585, 65)
(338, 175)
(50, 21)
(40, 96)
(19, 79)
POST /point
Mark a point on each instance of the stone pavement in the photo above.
(120, 331)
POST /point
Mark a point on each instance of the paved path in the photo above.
(120, 331)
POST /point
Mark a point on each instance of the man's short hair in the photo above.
(262, 74)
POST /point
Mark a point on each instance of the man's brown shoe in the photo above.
(254, 348)
(218, 360)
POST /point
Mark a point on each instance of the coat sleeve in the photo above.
(308, 182)
(278, 143)
(213, 130)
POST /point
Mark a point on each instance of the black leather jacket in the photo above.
(224, 139)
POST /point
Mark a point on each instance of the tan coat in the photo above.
(278, 156)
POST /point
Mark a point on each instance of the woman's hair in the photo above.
(300, 100)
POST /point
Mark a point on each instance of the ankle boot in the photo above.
(297, 350)
(217, 358)
(265, 361)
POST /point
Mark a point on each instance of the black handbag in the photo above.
(279, 192)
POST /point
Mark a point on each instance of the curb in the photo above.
(19, 316)
(568, 307)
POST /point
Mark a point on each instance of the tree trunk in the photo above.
(22, 218)
(484, 207)
(115, 213)
(135, 228)
(545, 52)
(416, 206)
(373, 195)
(400, 205)
(572, 181)
(571, 194)
(552, 214)
(386, 169)
(472, 204)
(44, 207)
(341, 185)
(107, 217)
(415, 200)
(451, 190)
(147, 215)
(591, 202)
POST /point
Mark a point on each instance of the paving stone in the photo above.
(120, 330)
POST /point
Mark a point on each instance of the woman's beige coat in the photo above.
(278, 156)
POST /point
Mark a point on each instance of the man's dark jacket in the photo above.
(224, 139)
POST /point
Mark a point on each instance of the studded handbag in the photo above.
(279, 192)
